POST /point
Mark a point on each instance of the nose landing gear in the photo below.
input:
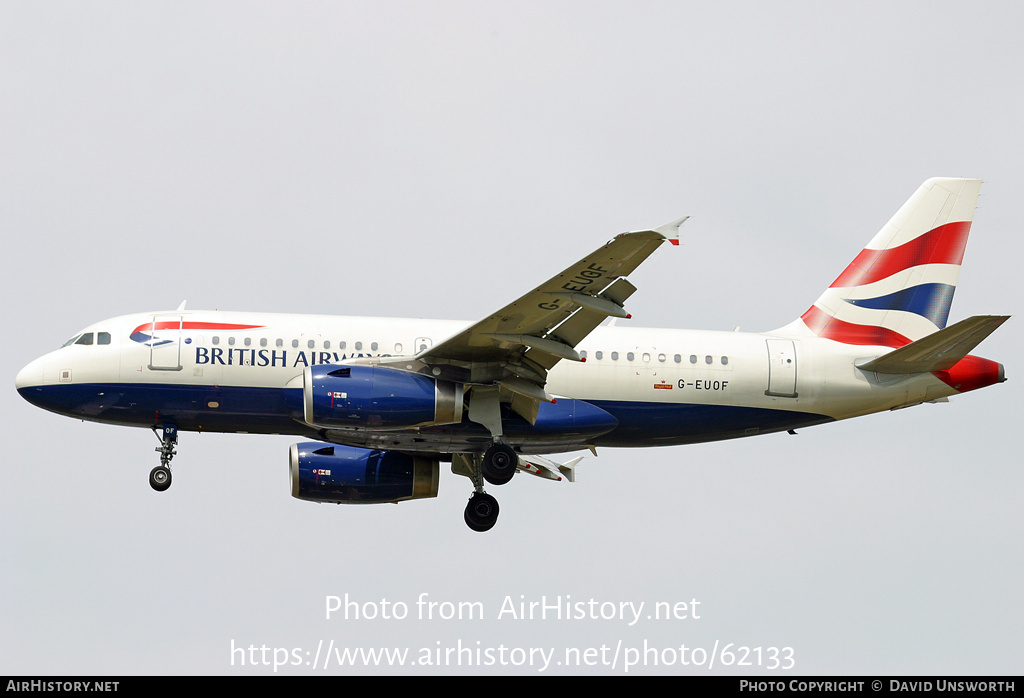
(160, 476)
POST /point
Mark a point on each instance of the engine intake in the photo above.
(349, 475)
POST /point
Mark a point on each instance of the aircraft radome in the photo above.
(388, 400)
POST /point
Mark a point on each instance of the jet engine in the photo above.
(349, 475)
(375, 396)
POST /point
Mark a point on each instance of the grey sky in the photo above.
(436, 160)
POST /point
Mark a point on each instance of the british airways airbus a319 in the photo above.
(389, 400)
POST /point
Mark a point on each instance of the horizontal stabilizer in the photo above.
(938, 351)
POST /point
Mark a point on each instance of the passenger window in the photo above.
(725, 360)
(693, 358)
(615, 356)
(327, 344)
(398, 348)
(373, 346)
(661, 357)
(215, 340)
(708, 360)
(310, 344)
(647, 357)
(629, 356)
(85, 339)
(598, 355)
(678, 358)
(359, 346)
(583, 354)
(295, 344)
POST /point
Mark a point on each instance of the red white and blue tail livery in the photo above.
(900, 287)
(385, 401)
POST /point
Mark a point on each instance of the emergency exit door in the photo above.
(781, 368)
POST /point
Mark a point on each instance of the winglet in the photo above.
(548, 469)
(671, 230)
(569, 469)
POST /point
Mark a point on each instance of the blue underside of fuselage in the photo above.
(270, 410)
(669, 424)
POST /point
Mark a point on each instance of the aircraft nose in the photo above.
(29, 376)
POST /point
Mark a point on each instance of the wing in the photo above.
(514, 348)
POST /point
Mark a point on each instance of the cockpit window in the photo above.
(88, 339)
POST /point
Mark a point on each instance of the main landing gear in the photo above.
(497, 466)
(500, 464)
(481, 512)
(160, 476)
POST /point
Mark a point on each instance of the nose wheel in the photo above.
(160, 476)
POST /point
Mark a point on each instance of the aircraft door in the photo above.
(781, 368)
(165, 343)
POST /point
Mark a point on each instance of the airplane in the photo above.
(385, 401)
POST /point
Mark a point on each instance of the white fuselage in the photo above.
(225, 371)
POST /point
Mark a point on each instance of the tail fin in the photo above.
(900, 287)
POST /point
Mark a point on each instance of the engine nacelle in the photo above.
(375, 396)
(349, 475)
